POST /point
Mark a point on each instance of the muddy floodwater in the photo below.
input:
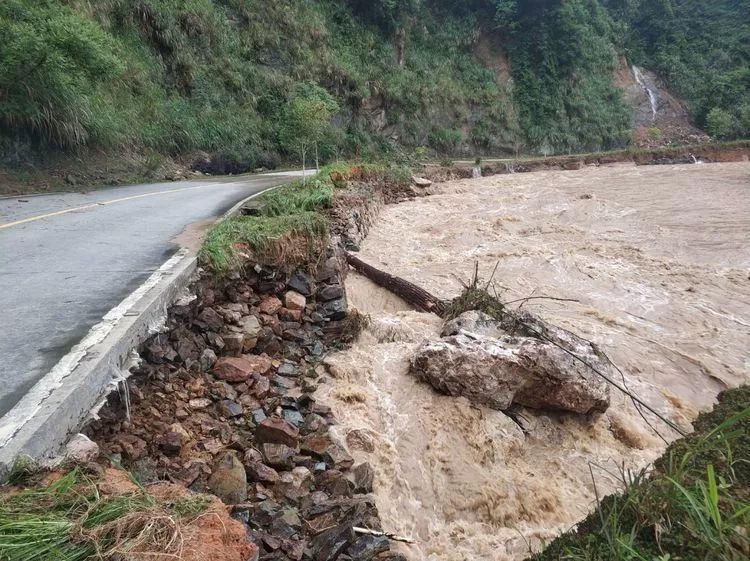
(658, 259)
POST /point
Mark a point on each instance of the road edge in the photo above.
(52, 418)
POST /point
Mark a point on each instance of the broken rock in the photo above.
(480, 360)
(278, 456)
(362, 477)
(332, 543)
(240, 369)
(270, 305)
(258, 471)
(302, 283)
(294, 301)
(81, 449)
(170, 443)
(277, 431)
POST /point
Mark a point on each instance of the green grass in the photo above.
(290, 231)
(297, 198)
(694, 506)
(287, 240)
(70, 520)
(293, 227)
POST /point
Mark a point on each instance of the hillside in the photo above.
(225, 84)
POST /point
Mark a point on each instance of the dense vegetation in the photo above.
(231, 78)
(701, 49)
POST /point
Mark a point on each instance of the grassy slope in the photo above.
(292, 227)
(172, 77)
(695, 506)
(120, 90)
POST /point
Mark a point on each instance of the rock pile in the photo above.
(223, 403)
(497, 364)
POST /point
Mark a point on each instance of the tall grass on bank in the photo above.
(288, 240)
(694, 506)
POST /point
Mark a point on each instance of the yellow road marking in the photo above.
(94, 205)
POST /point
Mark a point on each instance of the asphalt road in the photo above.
(66, 259)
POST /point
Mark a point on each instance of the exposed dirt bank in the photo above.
(657, 258)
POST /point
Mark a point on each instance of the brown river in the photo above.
(658, 261)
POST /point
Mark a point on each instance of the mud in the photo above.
(658, 260)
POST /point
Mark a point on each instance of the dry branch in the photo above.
(388, 535)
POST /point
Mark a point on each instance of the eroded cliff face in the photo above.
(659, 116)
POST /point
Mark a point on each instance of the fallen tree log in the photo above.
(407, 291)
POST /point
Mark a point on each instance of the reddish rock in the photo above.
(211, 319)
(332, 453)
(251, 328)
(252, 455)
(171, 443)
(262, 387)
(258, 471)
(270, 305)
(247, 400)
(315, 445)
(338, 457)
(279, 456)
(277, 431)
(235, 343)
(132, 446)
(240, 369)
(200, 403)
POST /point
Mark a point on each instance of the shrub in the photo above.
(719, 123)
(445, 140)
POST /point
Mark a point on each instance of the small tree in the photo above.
(719, 123)
(307, 120)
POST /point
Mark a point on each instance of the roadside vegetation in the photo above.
(232, 85)
(694, 505)
(289, 226)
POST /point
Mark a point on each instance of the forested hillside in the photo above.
(250, 83)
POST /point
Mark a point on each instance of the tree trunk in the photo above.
(407, 291)
(304, 174)
(317, 162)
(400, 46)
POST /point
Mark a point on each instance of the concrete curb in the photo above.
(56, 407)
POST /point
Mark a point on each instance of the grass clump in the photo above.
(297, 198)
(293, 226)
(289, 232)
(286, 240)
(474, 297)
(694, 506)
(71, 520)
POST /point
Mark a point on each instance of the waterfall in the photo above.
(651, 93)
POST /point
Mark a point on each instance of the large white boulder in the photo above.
(497, 364)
